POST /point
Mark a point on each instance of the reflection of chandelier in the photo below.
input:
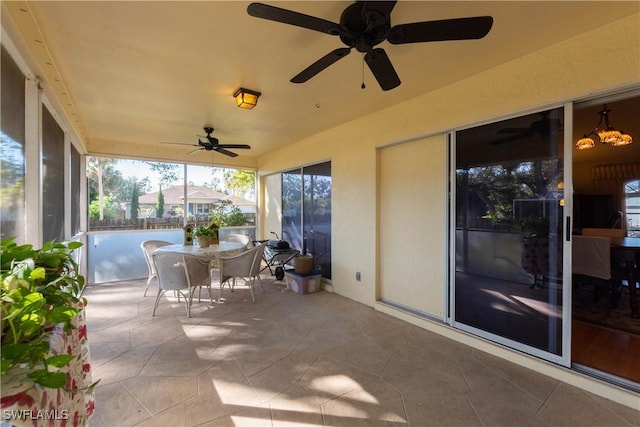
(607, 135)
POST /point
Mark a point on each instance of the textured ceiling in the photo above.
(147, 72)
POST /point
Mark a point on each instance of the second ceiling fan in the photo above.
(365, 24)
(210, 143)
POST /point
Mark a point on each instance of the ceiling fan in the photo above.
(210, 143)
(542, 127)
(365, 24)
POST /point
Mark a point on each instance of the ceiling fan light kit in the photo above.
(607, 134)
(246, 98)
(365, 24)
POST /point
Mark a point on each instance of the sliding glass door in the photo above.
(306, 212)
(509, 210)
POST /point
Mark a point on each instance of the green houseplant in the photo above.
(40, 290)
(206, 235)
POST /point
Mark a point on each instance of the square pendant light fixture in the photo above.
(246, 98)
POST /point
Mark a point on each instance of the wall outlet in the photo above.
(358, 277)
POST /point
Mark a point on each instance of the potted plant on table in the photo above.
(207, 235)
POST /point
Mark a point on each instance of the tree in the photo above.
(97, 166)
(135, 205)
(168, 172)
(235, 217)
(240, 182)
(160, 204)
(109, 210)
(225, 214)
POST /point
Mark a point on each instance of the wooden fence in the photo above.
(153, 223)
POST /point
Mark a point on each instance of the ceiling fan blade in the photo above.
(180, 143)
(223, 151)
(321, 64)
(194, 151)
(382, 69)
(236, 146)
(272, 13)
(446, 29)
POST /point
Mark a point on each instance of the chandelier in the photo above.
(607, 134)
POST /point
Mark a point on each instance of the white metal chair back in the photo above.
(245, 266)
(148, 246)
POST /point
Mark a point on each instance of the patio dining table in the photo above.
(211, 253)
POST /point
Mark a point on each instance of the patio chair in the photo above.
(171, 277)
(241, 238)
(198, 273)
(244, 266)
(148, 246)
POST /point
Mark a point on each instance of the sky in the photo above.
(139, 169)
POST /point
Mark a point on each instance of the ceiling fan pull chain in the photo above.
(362, 86)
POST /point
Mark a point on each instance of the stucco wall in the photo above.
(570, 70)
(557, 74)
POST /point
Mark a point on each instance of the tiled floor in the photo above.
(313, 360)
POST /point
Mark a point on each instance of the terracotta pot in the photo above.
(203, 242)
(303, 264)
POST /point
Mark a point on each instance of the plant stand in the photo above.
(71, 405)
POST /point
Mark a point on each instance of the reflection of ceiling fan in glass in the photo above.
(210, 143)
(543, 127)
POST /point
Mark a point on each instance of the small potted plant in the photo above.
(206, 235)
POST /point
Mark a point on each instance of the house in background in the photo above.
(201, 201)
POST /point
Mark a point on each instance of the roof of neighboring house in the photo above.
(175, 196)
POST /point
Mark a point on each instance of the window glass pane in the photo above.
(12, 161)
(76, 175)
(509, 202)
(52, 178)
(140, 194)
(632, 205)
(123, 194)
(317, 215)
(306, 212)
(223, 196)
(292, 208)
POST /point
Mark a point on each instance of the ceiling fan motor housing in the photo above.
(365, 29)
